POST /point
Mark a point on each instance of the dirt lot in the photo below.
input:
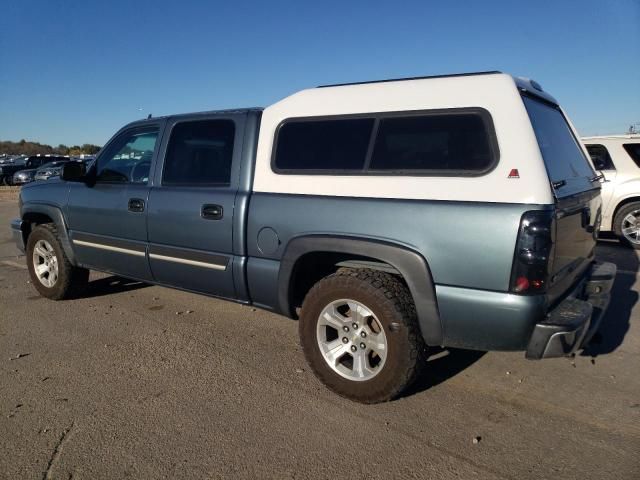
(146, 382)
(9, 194)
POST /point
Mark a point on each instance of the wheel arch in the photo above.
(329, 252)
(621, 204)
(34, 214)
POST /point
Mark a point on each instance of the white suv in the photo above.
(618, 158)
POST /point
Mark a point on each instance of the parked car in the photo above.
(23, 176)
(617, 157)
(11, 159)
(26, 173)
(7, 172)
(389, 217)
(51, 169)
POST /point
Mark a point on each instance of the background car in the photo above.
(49, 170)
(617, 157)
(23, 176)
(13, 159)
(7, 172)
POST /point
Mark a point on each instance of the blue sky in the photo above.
(75, 71)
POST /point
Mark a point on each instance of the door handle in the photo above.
(211, 212)
(136, 205)
(586, 217)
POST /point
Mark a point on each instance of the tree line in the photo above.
(25, 147)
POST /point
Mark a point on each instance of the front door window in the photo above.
(128, 159)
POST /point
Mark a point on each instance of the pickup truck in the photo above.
(388, 217)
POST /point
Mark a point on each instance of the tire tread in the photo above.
(72, 280)
(394, 291)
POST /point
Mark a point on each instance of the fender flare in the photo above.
(56, 215)
(412, 266)
(631, 198)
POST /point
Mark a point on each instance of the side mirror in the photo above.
(73, 172)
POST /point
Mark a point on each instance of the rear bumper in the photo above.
(16, 233)
(571, 324)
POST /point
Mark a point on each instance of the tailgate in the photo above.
(577, 221)
(577, 195)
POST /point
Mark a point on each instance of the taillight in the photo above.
(533, 255)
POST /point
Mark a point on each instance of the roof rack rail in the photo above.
(469, 74)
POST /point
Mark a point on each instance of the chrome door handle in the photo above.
(211, 212)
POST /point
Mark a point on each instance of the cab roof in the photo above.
(180, 116)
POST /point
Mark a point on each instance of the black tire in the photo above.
(71, 280)
(391, 303)
(618, 222)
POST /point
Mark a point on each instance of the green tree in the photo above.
(62, 149)
(26, 147)
(90, 149)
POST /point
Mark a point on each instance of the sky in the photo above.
(75, 71)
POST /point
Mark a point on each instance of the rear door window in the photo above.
(633, 149)
(567, 166)
(200, 153)
(600, 157)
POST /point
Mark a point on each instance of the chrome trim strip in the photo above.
(184, 261)
(102, 246)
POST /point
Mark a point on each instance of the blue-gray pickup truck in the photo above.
(388, 217)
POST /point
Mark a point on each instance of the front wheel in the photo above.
(359, 333)
(626, 224)
(49, 268)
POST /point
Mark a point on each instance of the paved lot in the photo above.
(127, 383)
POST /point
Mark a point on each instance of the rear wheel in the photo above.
(359, 332)
(51, 272)
(627, 225)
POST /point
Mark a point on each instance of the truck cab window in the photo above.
(128, 158)
(199, 153)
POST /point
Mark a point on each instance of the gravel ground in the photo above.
(145, 382)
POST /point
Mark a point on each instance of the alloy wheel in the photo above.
(45, 263)
(351, 340)
(631, 227)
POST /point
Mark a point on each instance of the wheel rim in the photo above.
(45, 263)
(631, 227)
(352, 340)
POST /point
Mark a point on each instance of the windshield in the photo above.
(567, 166)
(50, 165)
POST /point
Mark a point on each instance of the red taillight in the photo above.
(534, 249)
(537, 284)
(522, 284)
